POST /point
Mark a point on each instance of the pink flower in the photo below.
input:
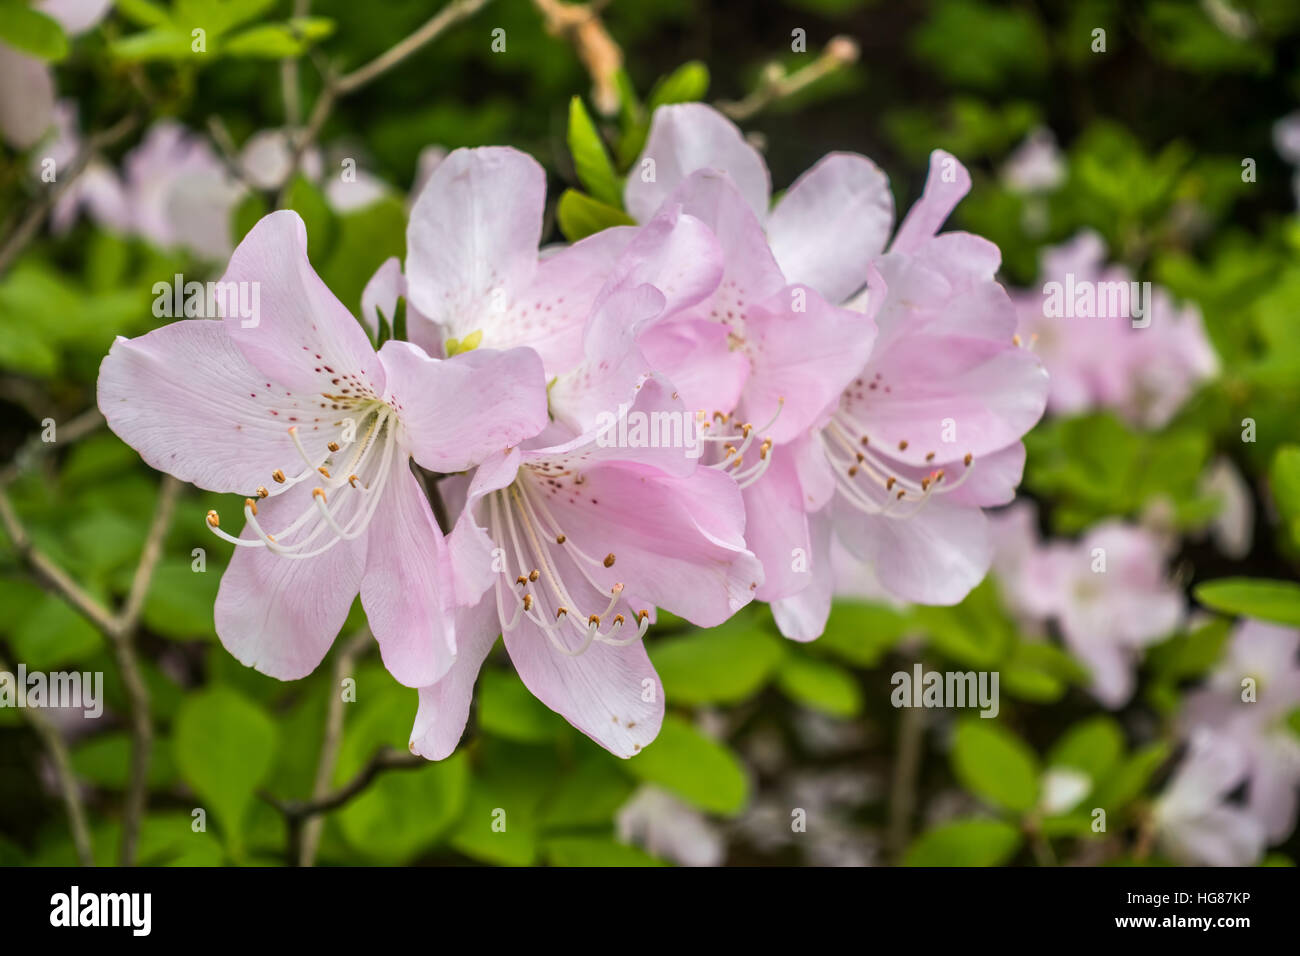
(1194, 823)
(573, 539)
(1036, 166)
(1094, 353)
(944, 353)
(928, 433)
(1108, 593)
(27, 83)
(766, 346)
(179, 194)
(292, 407)
(1248, 700)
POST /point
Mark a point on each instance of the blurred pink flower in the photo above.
(1248, 700)
(1109, 593)
(1036, 165)
(1102, 360)
(27, 83)
(295, 398)
(1194, 824)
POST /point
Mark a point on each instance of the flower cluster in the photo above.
(680, 414)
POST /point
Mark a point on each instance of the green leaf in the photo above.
(1094, 747)
(581, 216)
(723, 664)
(1040, 671)
(1284, 481)
(217, 16)
(861, 633)
(404, 811)
(697, 768)
(590, 160)
(1267, 600)
(686, 84)
(27, 29)
(965, 843)
(104, 761)
(247, 214)
(51, 634)
(508, 709)
(995, 765)
(595, 851)
(976, 632)
(181, 599)
(1126, 784)
(144, 13)
(223, 746)
(307, 199)
(278, 41)
(820, 685)
(161, 43)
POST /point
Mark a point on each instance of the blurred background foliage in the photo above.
(1154, 132)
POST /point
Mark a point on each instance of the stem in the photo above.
(337, 87)
(57, 750)
(777, 84)
(329, 752)
(26, 230)
(902, 794)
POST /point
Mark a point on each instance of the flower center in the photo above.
(730, 441)
(521, 524)
(349, 481)
(875, 484)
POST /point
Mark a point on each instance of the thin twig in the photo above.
(386, 758)
(580, 25)
(70, 793)
(71, 431)
(902, 793)
(137, 692)
(776, 84)
(30, 224)
(329, 751)
(336, 87)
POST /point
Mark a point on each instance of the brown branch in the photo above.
(333, 740)
(776, 84)
(118, 628)
(384, 759)
(137, 692)
(337, 87)
(30, 224)
(34, 447)
(581, 26)
(57, 750)
(902, 792)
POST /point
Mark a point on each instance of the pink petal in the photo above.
(831, 223)
(186, 399)
(802, 360)
(302, 337)
(26, 98)
(776, 529)
(936, 556)
(455, 412)
(687, 137)
(696, 356)
(802, 616)
(280, 615)
(612, 694)
(474, 230)
(947, 182)
(678, 541)
(444, 706)
(406, 586)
